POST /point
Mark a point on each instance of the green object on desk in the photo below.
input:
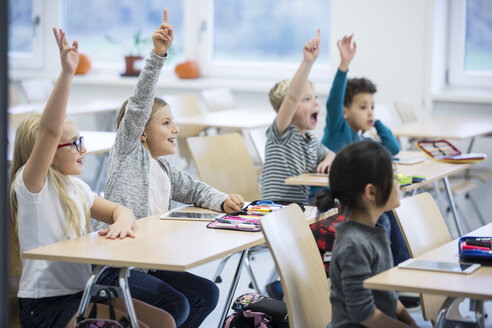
(405, 180)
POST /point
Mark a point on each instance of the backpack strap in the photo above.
(261, 319)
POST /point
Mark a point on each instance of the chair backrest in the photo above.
(300, 267)
(421, 224)
(387, 114)
(406, 110)
(258, 136)
(218, 99)
(423, 229)
(223, 161)
(37, 90)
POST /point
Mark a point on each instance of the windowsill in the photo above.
(172, 82)
(463, 95)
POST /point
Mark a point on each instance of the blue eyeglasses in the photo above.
(77, 143)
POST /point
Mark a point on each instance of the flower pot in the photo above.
(131, 65)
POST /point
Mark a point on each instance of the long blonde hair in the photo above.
(25, 139)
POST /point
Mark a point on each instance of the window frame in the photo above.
(34, 59)
(457, 75)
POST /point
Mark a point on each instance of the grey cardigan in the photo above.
(129, 161)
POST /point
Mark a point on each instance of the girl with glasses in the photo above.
(48, 204)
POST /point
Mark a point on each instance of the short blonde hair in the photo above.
(279, 91)
(157, 106)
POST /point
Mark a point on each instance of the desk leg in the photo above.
(232, 290)
(127, 298)
(443, 312)
(452, 205)
(86, 296)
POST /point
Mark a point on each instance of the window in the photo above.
(471, 43)
(107, 30)
(25, 33)
(229, 38)
(263, 36)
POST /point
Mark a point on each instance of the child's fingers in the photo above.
(103, 232)
(165, 17)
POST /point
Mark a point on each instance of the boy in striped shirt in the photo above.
(291, 149)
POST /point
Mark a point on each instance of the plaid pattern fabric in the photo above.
(324, 234)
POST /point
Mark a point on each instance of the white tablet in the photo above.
(453, 267)
(194, 216)
(407, 160)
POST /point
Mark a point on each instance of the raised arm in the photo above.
(51, 126)
(297, 84)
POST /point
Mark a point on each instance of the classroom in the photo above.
(255, 100)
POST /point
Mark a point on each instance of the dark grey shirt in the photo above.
(359, 252)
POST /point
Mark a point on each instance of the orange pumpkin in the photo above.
(84, 64)
(187, 70)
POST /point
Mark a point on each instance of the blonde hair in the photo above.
(157, 106)
(279, 91)
(25, 138)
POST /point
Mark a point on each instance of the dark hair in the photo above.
(356, 86)
(354, 167)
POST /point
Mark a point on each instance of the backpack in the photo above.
(324, 234)
(258, 311)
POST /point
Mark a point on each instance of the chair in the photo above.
(223, 162)
(184, 105)
(406, 110)
(218, 99)
(423, 229)
(299, 265)
(258, 136)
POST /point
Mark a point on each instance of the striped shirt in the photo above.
(286, 156)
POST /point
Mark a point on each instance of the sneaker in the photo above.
(274, 290)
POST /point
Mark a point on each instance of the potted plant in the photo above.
(134, 55)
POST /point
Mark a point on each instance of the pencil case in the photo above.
(443, 151)
(240, 226)
(475, 249)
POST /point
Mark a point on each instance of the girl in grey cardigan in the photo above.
(141, 179)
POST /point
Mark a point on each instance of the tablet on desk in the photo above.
(407, 160)
(195, 216)
(453, 267)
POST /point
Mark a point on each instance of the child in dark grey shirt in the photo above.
(362, 183)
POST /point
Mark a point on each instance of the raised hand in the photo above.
(311, 48)
(163, 36)
(347, 51)
(69, 56)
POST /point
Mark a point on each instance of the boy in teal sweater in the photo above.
(350, 107)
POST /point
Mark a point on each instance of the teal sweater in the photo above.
(337, 133)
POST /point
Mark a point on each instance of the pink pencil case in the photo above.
(240, 226)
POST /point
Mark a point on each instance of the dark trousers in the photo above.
(188, 298)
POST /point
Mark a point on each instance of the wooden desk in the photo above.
(475, 285)
(453, 127)
(160, 244)
(238, 118)
(431, 170)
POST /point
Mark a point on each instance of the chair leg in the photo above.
(216, 278)
(247, 263)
